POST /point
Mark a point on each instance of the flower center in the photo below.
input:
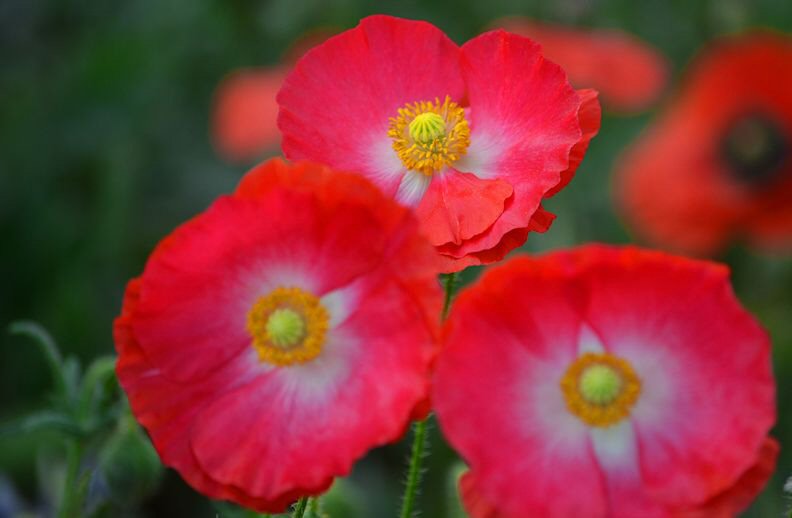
(426, 128)
(600, 384)
(288, 326)
(285, 327)
(428, 136)
(756, 149)
(600, 389)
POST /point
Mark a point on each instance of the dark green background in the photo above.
(104, 148)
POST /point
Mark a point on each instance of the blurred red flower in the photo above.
(462, 134)
(628, 73)
(244, 113)
(609, 382)
(275, 338)
(717, 164)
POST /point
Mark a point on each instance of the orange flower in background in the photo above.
(628, 73)
(244, 113)
(717, 164)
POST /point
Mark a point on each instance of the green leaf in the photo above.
(93, 387)
(50, 350)
(44, 420)
(129, 464)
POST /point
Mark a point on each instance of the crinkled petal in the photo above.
(589, 115)
(527, 141)
(336, 104)
(458, 206)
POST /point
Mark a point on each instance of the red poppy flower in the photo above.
(275, 338)
(628, 73)
(718, 162)
(473, 137)
(606, 382)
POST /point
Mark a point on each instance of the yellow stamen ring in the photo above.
(600, 389)
(288, 326)
(428, 136)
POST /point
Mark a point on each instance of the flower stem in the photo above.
(419, 444)
(299, 509)
(415, 471)
(73, 492)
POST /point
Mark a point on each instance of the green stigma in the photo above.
(427, 127)
(285, 327)
(600, 384)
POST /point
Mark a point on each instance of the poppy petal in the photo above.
(336, 104)
(628, 72)
(458, 206)
(635, 307)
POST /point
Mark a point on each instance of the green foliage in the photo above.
(129, 464)
(90, 420)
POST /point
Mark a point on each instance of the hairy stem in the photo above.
(415, 471)
(299, 509)
(419, 445)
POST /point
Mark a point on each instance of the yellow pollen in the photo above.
(600, 389)
(427, 136)
(288, 326)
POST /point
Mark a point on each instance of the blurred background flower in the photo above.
(244, 113)
(716, 165)
(106, 145)
(629, 74)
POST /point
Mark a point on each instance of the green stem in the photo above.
(450, 286)
(415, 472)
(299, 509)
(419, 444)
(71, 499)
